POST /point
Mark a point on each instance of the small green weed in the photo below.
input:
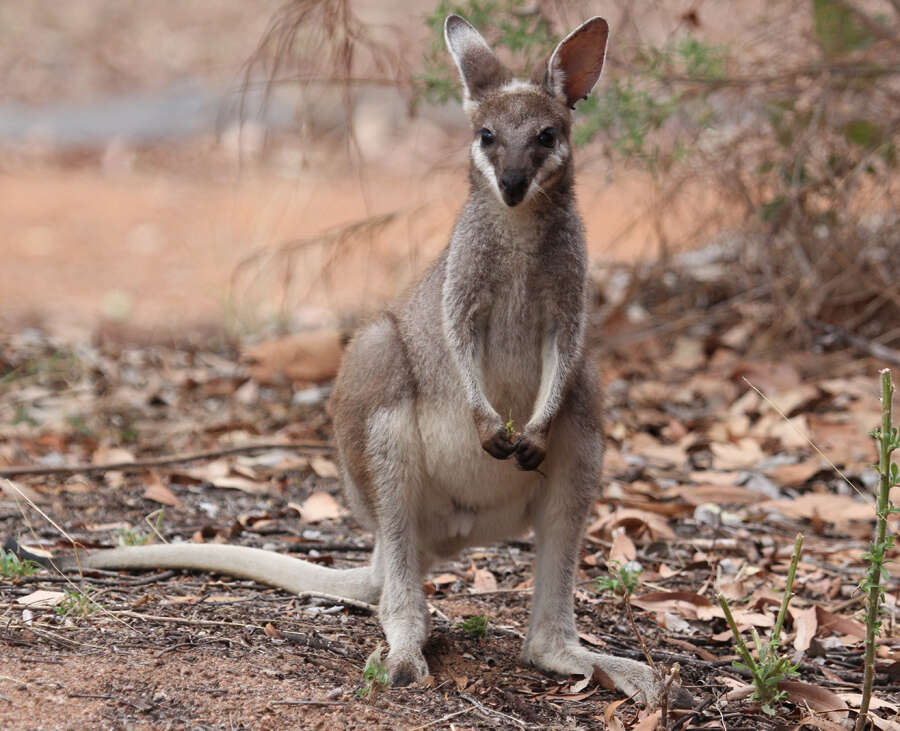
(770, 667)
(476, 626)
(623, 579)
(134, 537)
(77, 603)
(12, 567)
(375, 677)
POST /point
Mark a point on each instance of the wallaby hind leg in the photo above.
(394, 452)
(573, 465)
(380, 446)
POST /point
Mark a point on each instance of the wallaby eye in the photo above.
(487, 137)
(547, 137)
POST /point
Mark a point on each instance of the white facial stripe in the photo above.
(549, 170)
(484, 166)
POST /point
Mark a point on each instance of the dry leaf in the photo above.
(159, 492)
(875, 703)
(648, 723)
(793, 475)
(443, 579)
(18, 491)
(312, 356)
(805, 625)
(111, 455)
(613, 723)
(635, 522)
(482, 581)
(883, 723)
(827, 506)
(323, 466)
(828, 703)
(688, 354)
(251, 487)
(623, 549)
(320, 506)
(740, 455)
(831, 622)
(41, 599)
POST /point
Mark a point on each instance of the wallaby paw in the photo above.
(406, 667)
(495, 441)
(530, 451)
(632, 678)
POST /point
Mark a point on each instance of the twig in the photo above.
(876, 350)
(295, 702)
(182, 620)
(490, 713)
(163, 461)
(355, 603)
(436, 721)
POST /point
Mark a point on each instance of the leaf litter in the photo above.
(705, 487)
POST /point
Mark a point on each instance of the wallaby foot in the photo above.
(406, 665)
(629, 676)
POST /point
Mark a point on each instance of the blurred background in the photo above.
(256, 167)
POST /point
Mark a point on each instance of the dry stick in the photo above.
(876, 350)
(163, 461)
(873, 577)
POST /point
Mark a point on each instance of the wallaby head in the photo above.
(522, 128)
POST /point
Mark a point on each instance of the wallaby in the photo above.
(493, 331)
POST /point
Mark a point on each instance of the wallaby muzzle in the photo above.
(513, 186)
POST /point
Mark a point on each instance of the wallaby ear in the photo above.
(479, 68)
(575, 65)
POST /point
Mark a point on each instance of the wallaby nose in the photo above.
(513, 184)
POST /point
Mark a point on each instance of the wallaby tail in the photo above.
(266, 567)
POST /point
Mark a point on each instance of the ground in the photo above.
(705, 486)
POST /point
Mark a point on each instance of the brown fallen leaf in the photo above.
(819, 699)
(319, 506)
(831, 622)
(793, 475)
(884, 723)
(688, 354)
(323, 466)
(649, 722)
(18, 491)
(875, 703)
(827, 506)
(311, 356)
(444, 579)
(742, 454)
(157, 491)
(623, 549)
(635, 522)
(805, 625)
(482, 581)
(613, 723)
(41, 599)
(713, 493)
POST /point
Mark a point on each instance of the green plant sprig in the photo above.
(888, 476)
(770, 667)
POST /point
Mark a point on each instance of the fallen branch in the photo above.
(163, 461)
(876, 350)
